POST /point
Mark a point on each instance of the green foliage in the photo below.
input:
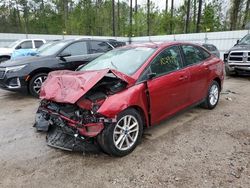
(94, 17)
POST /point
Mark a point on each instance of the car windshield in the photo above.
(13, 44)
(245, 40)
(125, 60)
(44, 46)
(52, 49)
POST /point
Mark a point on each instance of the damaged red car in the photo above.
(110, 101)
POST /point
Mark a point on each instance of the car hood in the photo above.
(6, 51)
(24, 61)
(69, 86)
(240, 47)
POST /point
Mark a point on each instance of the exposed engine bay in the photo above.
(78, 123)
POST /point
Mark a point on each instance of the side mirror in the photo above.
(237, 42)
(63, 55)
(151, 75)
(18, 47)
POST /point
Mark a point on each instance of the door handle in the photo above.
(183, 78)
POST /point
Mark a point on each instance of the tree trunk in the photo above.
(118, 18)
(187, 18)
(148, 17)
(194, 16)
(136, 18)
(130, 19)
(172, 16)
(166, 8)
(113, 17)
(199, 17)
(246, 14)
(234, 14)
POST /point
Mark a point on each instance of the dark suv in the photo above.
(237, 59)
(27, 74)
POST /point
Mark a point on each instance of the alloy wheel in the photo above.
(126, 132)
(37, 84)
(214, 95)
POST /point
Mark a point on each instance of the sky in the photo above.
(162, 3)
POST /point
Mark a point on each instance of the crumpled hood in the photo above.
(6, 51)
(69, 86)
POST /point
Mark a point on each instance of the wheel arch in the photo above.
(141, 112)
(5, 56)
(37, 71)
(218, 80)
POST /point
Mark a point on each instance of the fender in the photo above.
(134, 96)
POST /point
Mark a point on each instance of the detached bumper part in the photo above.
(64, 139)
(41, 123)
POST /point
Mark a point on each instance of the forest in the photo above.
(122, 17)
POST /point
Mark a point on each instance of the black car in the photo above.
(212, 49)
(27, 74)
(237, 59)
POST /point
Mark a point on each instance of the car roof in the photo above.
(157, 44)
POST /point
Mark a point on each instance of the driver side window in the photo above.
(77, 48)
(167, 61)
(25, 45)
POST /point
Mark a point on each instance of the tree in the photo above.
(234, 13)
(166, 8)
(187, 18)
(247, 14)
(113, 17)
(148, 17)
(199, 17)
(172, 16)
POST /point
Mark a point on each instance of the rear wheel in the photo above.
(121, 138)
(35, 84)
(2, 59)
(213, 96)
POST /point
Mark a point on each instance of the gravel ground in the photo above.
(197, 148)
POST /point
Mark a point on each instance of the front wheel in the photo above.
(35, 84)
(121, 138)
(213, 96)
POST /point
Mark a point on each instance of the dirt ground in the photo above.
(197, 148)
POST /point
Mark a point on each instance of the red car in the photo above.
(110, 101)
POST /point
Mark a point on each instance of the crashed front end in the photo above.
(69, 112)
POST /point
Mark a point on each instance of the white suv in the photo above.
(5, 53)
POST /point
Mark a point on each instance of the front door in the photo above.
(78, 55)
(168, 90)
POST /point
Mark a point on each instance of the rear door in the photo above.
(79, 55)
(168, 90)
(195, 57)
(99, 47)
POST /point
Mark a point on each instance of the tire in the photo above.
(116, 139)
(2, 59)
(229, 73)
(35, 84)
(212, 97)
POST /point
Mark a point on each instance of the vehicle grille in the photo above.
(239, 57)
(2, 73)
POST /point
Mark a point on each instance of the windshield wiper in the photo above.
(113, 65)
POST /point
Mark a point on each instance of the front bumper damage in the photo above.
(69, 134)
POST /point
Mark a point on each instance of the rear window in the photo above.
(209, 47)
(117, 44)
(38, 43)
(99, 47)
